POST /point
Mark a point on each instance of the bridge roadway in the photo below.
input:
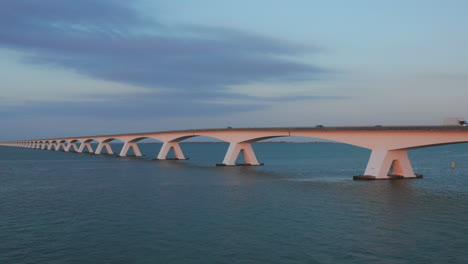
(389, 144)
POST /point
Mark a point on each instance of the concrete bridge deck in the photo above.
(313, 128)
(389, 144)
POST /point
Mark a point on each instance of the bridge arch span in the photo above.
(85, 143)
(389, 139)
(86, 140)
(109, 140)
(131, 144)
(138, 139)
(434, 145)
(254, 140)
(169, 141)
(104, 144)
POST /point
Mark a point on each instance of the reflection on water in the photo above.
(301, 207)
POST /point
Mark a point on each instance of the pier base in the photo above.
(389, 177)
(172, 159)
(239, 164)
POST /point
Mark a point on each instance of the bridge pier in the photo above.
(85, 145)
(104, 145)
(61, 144)
(127, 146)
(51, 145)
(388, 164)
(235, 148)
(71, 145)
(166, 147)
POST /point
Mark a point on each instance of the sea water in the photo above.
(301, 207)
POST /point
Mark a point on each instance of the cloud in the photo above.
(110, 40)
(146, 105)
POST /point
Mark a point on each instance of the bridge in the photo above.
(388, 144)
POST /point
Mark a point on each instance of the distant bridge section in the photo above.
(389, 144)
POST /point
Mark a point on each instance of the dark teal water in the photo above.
(301, 207)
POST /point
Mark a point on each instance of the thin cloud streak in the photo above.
(150, 105)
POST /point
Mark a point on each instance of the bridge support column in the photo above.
(127, 146)
(233, 152)
(85, 145)
(51, 145)
(388, 164)
(61, 144)
(104, 145)
(71, 145)
(166, 147)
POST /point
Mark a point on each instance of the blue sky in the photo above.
(114, 66)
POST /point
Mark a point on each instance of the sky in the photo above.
(71, 68)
